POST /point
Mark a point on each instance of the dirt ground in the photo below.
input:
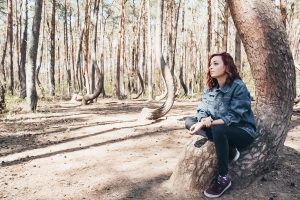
(103, 151)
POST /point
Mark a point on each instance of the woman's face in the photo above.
(217, 67)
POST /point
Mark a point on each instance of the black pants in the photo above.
(226, 139)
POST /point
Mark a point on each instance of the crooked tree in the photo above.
(265, 39)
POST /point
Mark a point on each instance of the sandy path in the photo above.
(102, 151)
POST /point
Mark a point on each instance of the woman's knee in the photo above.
(218, 131)
(190, 121)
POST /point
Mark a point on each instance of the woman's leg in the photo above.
(225, 139)
(205, 132)
(190, 121)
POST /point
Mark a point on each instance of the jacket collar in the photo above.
(225, 88)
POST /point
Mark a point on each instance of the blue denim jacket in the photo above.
(232, 103)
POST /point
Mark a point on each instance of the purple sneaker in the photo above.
(218, 186)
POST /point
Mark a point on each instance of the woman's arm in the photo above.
(239, 104)
(202, 111)
(217, 122)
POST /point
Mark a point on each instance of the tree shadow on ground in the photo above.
(28, 158)
(32, 141)
(125, 188)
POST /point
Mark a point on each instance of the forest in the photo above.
(93, 91)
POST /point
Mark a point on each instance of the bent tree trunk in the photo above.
(31, 93)
(168, 78)
(185, 89)
(88, 98)
(273, 69)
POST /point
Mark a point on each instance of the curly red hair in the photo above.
(230, 70)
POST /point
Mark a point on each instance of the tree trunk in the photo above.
(99, 87)
(195, 168)
(102, 31)
(88, 98)
(86, 47)
(32, 97)
(18, 15)
(79, 60)
(74, 85)
(23, 54)
(3, 60)
(165, 70)
(120, 53)
(185, 89)
(175, 31)
(274, 73)
(137, 51)
(2, 98)
(66, 44)
(52, 51)
(238, 52)
(209, 31)
(41, 56)
(225, 36)
(10, 36)
(149, 52)
(273, 70)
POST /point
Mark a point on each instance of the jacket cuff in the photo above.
(226, 121)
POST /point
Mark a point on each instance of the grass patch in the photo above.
(13, 102)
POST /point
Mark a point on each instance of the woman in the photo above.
(225, 117)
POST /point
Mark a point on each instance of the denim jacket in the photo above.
(231, 103)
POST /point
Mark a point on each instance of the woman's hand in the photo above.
(196, 127)
(207, 121)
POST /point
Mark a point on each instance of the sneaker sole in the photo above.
(217, 195)
(237, 156)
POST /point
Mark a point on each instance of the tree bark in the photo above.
(225, 36)
(175, 31)
(195, 168)
(66, 45)
(2, 98)
(88, 98)
(209, 31)
(10, 36)
(52, 51)
(238, 52)
(185, 89)
(120, 53)
(86, 47)
(168, 78)
(273, 69)
(102, 53)
(74, 85)
(41, 55)
(2, 62)
(149, 52)
(23, 54)
(18, 16)
(137, 51)
(32, 97)
(79, 61)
